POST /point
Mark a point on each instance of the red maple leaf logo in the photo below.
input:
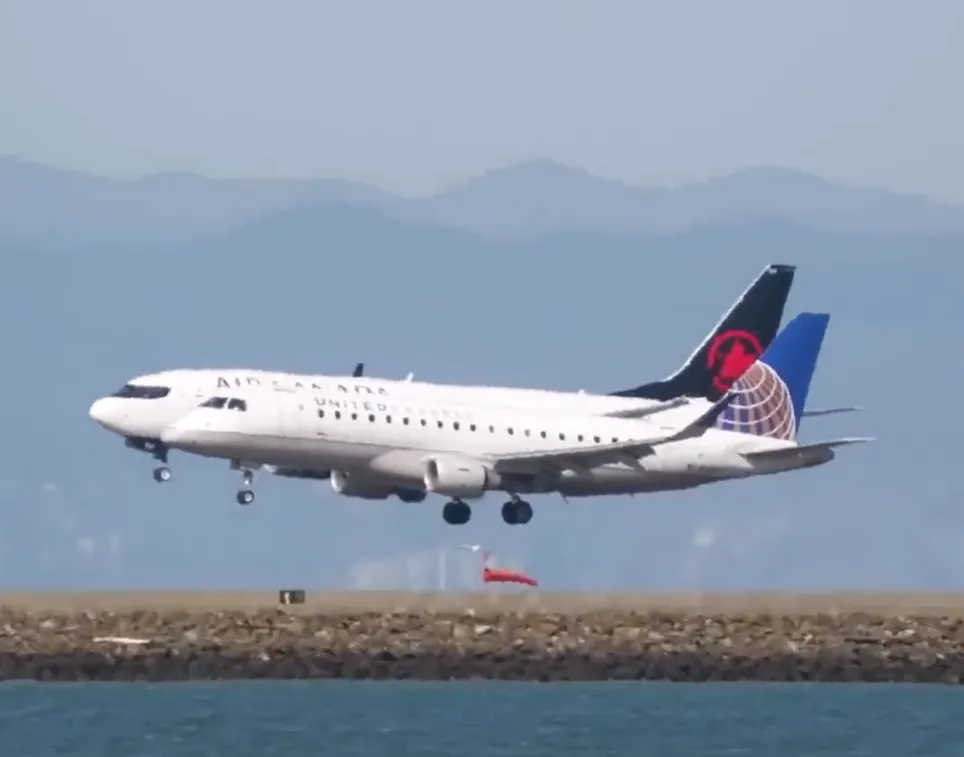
(731, 353)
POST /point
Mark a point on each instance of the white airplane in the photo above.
(145, 405)
(464, 450)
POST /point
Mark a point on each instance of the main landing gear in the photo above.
(516, 512)
(456, 513)
(245, 496)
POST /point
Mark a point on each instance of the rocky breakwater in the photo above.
(178, 645)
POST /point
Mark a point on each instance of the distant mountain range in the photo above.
(534, 275)
(52, 207)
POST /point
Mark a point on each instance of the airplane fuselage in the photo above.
(146, 405)
(388, 440)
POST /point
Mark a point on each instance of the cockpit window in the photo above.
(141, 392)
(231, 403)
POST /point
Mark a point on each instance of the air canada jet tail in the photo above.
(736, 341)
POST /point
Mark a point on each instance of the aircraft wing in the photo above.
(585, 456)
(642, 412)
(278, 470)
(817, 449)
(831, 411)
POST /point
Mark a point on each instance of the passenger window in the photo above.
(388, 419)
(405, 421)
(491, 429)
(527, 432)
(615, 440)
(424, 422)
(440, 424)
(562, 437)
(542, 434)
(596, 439)
(354, 416)
(455, 425)
(337, 415)
(579, 438)
(511, 432)
(321, 413)
(472, 427)
(371, 418)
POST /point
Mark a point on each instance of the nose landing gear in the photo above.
(155, 449)
(245, 496)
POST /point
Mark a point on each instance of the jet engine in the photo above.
(458, 477)
(359, 486)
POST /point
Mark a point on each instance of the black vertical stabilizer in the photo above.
(735, 342)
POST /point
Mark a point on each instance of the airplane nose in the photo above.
(98, 411)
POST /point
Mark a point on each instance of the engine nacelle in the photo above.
(458, 477)
(359, 486)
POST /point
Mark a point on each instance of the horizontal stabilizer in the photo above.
(692, 424)
(831, 411)
(642, 412)
(817, 449)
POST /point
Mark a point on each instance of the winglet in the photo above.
(359, 370)
(706, 420)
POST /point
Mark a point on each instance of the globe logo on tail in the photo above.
(762, 405)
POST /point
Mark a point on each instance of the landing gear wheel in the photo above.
(162, 473)
(516, 512)
(523, 512)
(245, 497)
(456, 513)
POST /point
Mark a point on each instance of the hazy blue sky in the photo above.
(414, 95)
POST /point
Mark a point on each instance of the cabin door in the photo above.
(291, 418)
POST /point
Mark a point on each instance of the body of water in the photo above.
(466, 719)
